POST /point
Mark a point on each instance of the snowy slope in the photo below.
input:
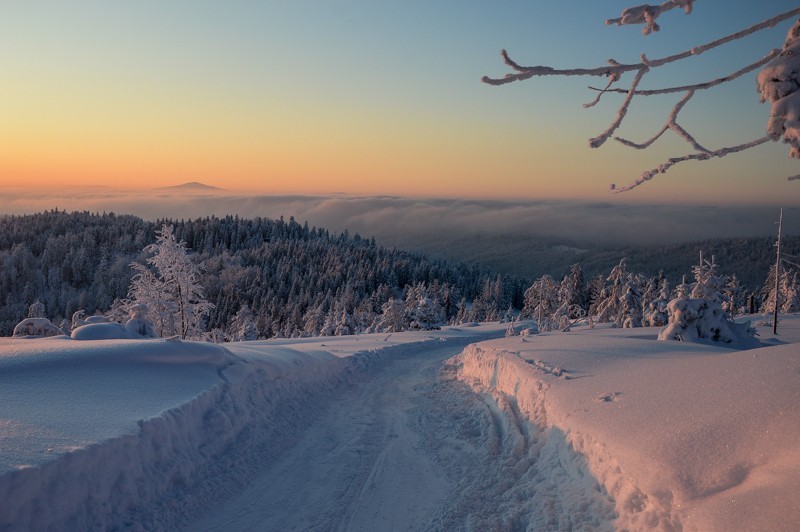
(677, 436)
(597, 429)
(142, 434)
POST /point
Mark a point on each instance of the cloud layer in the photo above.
(402, 221)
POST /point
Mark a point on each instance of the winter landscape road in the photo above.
(400, 450)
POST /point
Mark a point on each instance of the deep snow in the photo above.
(144, 434)
(677, 435)
(596, 429)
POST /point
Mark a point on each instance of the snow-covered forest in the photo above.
(288, 279)
(257, 279)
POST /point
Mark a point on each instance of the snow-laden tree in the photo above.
(732, 294)
(169, 285)
(572, 292)
(787, 292)
(36, 310)
(393, 316)
(708, 284)
(344, 323)
(697, 314)
(610, 304)
(655, 314)
(778, 84)
(631, 304)
(768, 294)
(243, 326)
(791, 292)
(422, 309)
(542, 303)
(462, 312)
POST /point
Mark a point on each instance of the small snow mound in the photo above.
(101, 331)
(36, 328)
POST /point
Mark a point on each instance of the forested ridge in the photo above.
(265, 278)
(292, 277)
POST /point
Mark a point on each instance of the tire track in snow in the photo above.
(409, 447)
(358, 467)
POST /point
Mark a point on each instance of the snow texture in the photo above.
(596, 429)
(143, 435)
(674, 436)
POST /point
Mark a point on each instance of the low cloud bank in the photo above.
(401, 220)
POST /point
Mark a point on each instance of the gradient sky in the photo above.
(365, 97)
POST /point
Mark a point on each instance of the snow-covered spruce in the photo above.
(704, 321)
(698, 316)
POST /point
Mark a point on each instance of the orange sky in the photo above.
(281, 98)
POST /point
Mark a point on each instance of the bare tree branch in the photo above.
(779, 83)
(662, 168)
(697, 86)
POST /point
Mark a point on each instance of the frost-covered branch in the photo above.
(647, 14)
(701, 156)
(694, 87)
(778, 83)
(672, 123)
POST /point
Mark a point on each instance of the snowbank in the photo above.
(139, 435)
(677, 435)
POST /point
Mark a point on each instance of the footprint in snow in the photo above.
(609, 397)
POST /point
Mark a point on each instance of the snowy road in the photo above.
(407, 448)
(361, 466)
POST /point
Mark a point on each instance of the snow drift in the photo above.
(676, 436)
(141, 435)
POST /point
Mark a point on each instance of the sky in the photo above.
(368, 98)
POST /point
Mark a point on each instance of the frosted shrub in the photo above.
(703, 321)
(36, 325)
(36, 328)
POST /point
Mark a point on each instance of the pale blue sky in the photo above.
(369, 97)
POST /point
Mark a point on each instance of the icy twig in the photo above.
(672, 123)
(598, 141)
(526, 72)
(697, 86)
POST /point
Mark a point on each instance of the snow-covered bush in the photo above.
(138, 324)
(696, 315)
(36, 325)
(36, 328)
(702, 321)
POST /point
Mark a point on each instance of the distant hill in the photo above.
(530, 257)
(194, 186)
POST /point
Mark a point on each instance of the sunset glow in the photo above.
(356, 98)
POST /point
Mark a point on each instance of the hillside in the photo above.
(528, 257)
(293, 279)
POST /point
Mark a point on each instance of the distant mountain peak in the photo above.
(192, 185)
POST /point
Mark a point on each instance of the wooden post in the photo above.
(777, 276)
